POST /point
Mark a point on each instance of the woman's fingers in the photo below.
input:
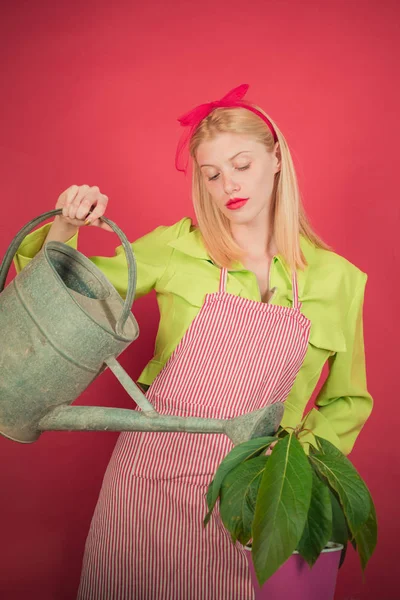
(100, 204)
(84, 192)
(83, 205)
(65, 199)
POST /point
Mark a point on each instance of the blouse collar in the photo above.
(192, 245)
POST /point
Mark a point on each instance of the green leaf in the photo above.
(249, 506)
(340, 529)
(238, 493)
(341, 533)
(318, 528)
(345, 480)
(366, 538)
(237, 455)
(282, 505)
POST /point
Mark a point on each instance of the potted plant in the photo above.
(299, 503)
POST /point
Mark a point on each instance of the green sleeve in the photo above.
(152, 256)
(151, 252)
(344, 403)
(32, 243)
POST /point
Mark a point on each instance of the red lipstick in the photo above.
(236, 203)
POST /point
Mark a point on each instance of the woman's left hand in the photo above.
(268, 452)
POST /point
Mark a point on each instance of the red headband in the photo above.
(197, 114)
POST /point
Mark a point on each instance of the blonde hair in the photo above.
(287, 212)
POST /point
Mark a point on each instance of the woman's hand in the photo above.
(268, 452)
(83, 205)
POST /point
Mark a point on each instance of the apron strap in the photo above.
(296, 303)
(222, 279)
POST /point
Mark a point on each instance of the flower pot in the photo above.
(297, 581)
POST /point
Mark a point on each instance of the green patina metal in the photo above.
(62, 324)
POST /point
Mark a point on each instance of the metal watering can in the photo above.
(62, 324)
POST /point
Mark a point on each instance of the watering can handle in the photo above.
(22, 233)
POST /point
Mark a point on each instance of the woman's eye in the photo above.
(238, 168)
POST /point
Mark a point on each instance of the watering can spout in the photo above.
(262, 422)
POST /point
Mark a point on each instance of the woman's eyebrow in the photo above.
(231, 158)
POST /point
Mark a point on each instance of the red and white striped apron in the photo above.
(147, 540)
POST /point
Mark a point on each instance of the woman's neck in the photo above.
(255, 238)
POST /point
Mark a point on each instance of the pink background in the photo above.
(90, 95)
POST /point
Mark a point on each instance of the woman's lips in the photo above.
(236, 203)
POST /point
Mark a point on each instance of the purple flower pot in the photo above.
(297, 581)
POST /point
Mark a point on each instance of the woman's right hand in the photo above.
(83, 205)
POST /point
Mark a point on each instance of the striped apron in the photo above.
(147, 540)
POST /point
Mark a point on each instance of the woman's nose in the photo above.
(230, 186)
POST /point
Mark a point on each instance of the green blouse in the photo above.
(173, 260)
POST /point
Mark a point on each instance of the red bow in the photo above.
(192, 118)
(198, 113)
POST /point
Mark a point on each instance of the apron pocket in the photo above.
(176, 454)
(171, 454)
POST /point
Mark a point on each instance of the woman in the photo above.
(252, 304)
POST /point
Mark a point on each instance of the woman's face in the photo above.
(236, 166)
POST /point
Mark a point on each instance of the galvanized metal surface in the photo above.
(62, 323)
